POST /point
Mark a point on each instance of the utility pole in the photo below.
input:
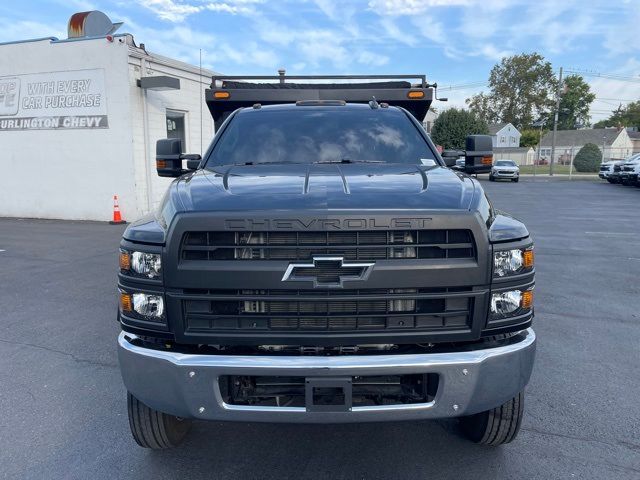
(571, 164)
(555, 123)
(539, 123)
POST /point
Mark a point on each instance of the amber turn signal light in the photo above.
(527, 259)
(415, 94)
(161, 164)
(125, 261)
(487, 160)
(125, 302)
(526, 301)
(221, 95)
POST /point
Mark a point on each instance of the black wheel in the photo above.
(516, 180)
(497, 426)
(491, 178)
(609, 180)
(153, 429)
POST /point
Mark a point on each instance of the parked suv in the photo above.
(607, 171)
(505, 169)
(629, 171)
(321, 264)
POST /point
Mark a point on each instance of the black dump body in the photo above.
(228, 93)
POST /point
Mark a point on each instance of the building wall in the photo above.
(74, 173)
(69, 173)
(621, 148)
(429, 119)
(508, 136)
(188, 100)
(521, 158)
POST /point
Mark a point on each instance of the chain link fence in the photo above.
(534, 162)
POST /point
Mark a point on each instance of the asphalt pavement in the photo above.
(62, 403)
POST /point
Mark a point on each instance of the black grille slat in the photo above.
(312, 310)
(351, 245)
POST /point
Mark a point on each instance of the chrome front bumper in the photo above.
(187, 385)
(505, 174)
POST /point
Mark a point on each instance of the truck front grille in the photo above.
(351, 245)
(312, 310)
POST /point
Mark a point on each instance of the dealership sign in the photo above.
(53, 100)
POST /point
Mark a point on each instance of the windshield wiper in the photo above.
(348, 160)
(254, 163)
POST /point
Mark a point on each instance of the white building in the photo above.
(520, 155)
(504, 135)
(76, 127)
(429, 119)
(614, 143)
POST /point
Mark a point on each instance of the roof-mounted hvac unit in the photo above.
(91, 24)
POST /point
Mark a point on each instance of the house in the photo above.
(85, 113)
(504, 135)
(634, 135)
(429, 118)
(520, 155)
(614, 142)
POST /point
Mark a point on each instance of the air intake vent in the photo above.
(350, 245)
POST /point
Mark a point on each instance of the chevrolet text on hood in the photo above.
(323, 223)
(322, 264)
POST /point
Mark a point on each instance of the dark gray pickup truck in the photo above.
(322, 264)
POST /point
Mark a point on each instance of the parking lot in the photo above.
(63, 403)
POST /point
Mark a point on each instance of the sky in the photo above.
(454, 42)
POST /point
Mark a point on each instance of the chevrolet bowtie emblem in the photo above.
(328, 272)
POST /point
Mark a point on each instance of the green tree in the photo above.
(575, 102)
(530, 137)
(588, 159)
(623, 116)
(521, 88)
(453, 125)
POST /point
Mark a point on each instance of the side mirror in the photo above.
(169, 158)
(193, 160)
(450, 157)
(479, 154)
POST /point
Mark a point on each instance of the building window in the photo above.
(503, 139)
(176, 128)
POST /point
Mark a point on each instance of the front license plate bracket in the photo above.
(328, 394)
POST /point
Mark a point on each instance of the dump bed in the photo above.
(228, 93)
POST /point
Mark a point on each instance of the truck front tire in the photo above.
(496, 426)
(153, 429)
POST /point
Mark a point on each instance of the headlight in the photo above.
(149, 306)
(141, 263)
(511, 303)
(512, 262)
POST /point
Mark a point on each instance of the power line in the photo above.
(615, 99)
(610, 76)
(462, 86)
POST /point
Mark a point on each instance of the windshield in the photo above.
(505, 163)
(320, 134)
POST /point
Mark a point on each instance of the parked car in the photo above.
(607, 170)
(615, 176)
(630, 170)
(505, 169)
(459, 166)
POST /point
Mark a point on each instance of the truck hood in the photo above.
(318, 186)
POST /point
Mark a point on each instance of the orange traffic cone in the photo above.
(117, 218)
